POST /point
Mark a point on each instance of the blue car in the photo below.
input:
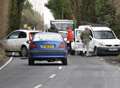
(47, 46)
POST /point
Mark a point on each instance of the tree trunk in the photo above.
(4, 4)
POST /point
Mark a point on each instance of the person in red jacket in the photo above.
(70, 38)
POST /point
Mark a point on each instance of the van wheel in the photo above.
(81, 53)
(24, 52)
(96, 53)
(72, 52)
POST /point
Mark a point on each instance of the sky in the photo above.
(38, 5)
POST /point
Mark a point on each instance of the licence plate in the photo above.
(112, 49)
(47, 46)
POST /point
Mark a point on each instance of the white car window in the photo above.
(13, 35)
(53, 37)
(22, 35)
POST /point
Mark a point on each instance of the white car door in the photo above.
(21, 40)
(91, 43)
(11, 40)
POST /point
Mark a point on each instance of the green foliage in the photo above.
(105, 11)
(15, 14)
(21, 13)
(27, 5)
(61, 8)
(95, 11)
(88, 11)
(29, 16)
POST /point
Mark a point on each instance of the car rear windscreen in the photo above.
(49, 37)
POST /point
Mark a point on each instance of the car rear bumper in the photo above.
(105, 51)
(48, 54)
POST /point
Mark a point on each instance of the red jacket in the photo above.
(70, 35)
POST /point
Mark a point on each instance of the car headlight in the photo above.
(101, 45)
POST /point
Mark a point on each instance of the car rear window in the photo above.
(51, 37)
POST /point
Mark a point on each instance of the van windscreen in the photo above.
(104, 35)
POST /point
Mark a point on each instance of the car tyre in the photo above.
(24, 52)
(64, 61)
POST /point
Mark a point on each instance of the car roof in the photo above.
(51, 33)
(100, 29)
(96, 28)
(23, 30)
(62, 31)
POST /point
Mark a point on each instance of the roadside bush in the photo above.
(118, 58)
(2, 53)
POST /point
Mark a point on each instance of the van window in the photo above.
(77, 35)
(104, 35)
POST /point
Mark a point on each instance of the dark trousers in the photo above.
(69, 47)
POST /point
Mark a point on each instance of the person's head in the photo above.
(69, 28)
(87, 28)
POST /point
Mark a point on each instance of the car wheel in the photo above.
(96, 53)
(24, 52)
(30, 61)
(64, 61)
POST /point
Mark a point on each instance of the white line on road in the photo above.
(38, 86)
(101, 59)
(11, 58)
(60, 67)
(52, 76)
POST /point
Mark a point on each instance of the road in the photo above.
(82, 72)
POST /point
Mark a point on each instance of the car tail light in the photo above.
(33, 45)
(62, 45)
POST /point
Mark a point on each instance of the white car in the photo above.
(18, 41)
(103, 40)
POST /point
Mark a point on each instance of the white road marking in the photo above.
(38, 86)
(114, 62)
(97, 57)
(101, 59)
(60, 67)
(52, 76)
(11, 58)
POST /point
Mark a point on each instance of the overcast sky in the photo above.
(38, 5)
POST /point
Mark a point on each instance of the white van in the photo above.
(103, 40)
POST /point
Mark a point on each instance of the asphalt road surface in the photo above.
(82, 72)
